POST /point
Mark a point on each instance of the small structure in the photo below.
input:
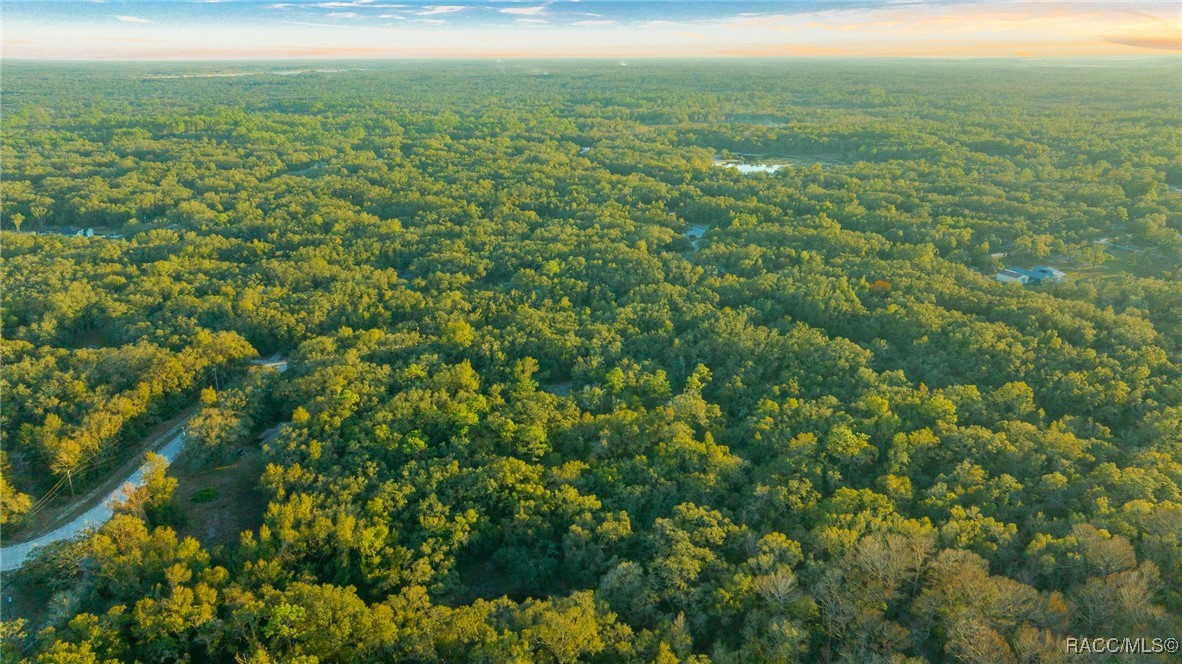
(1013, 276)
(695, 233)
(1039, 274)
(1048, 274)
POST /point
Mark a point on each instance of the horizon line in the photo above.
(599, 58)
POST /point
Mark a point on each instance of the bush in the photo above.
(205, 495)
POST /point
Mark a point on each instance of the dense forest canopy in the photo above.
(566, 385)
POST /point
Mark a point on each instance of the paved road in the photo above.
(14, 556)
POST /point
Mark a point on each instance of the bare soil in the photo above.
(238, 505)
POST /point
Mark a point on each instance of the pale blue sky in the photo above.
(237, 29)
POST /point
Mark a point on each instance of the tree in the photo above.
(154, 500)
(1093, 254)
(13, 504)
(511, 376)
(568, 629)
(216, 432)
(39, 212)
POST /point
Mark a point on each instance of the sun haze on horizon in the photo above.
(269, 29)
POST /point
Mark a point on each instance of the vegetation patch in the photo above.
(618, 405)
(204, 495)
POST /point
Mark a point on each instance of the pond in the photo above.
(757, 168)
(748, 167)
(748, 163)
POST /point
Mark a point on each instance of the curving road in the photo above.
(14, 556)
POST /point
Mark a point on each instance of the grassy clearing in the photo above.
(219, 503)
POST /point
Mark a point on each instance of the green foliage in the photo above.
(13, 504)
(531, 420)
(208, 494)
(154, 500)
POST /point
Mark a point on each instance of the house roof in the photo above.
(1046, 269)
(1036, 274)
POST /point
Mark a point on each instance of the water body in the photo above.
(770, 163)
(274, 362)
(756, 167)
(748, 167)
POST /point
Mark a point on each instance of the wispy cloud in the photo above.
(541, 28)
(432, 10)
(523, 11)
(1161, 43)
(352, 27)
(661, 23)
(355, 4)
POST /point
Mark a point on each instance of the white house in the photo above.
(1011, 276)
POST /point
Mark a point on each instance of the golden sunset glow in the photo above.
(921, 30)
